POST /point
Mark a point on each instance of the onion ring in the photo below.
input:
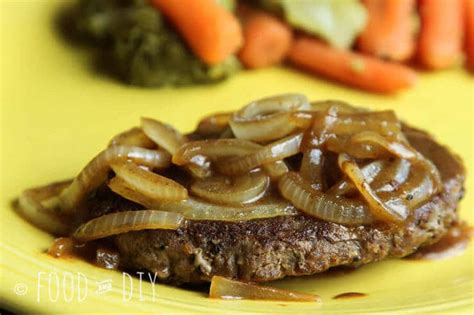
(127, 221)
(96, 171)
(320, 205)
(148, 183)
(268, 119)
(231, 191)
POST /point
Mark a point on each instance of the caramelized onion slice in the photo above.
(127, 221)
(381, 210)
(275, 169)
(148, 183)
(223, 288)
(393, 175)
(218, 149)
(232, 191)
(320, 205)
(268, 119)
(195, 209)
(270, 153)
(163, 134)
(47, 218)
(214, 124)
(311, 168)
(417, 189)
(122, 188)
(95, 172)
(370, 173)
(340, 106)
(213, 149)
(384, 123)
(396, 148)
(134, 137)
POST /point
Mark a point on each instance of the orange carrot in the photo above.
(442, 27)
(470, 35)
(389, 33)
(267, 40)
(212, 32)
(353, 69)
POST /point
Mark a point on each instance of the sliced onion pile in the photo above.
(277, 156)
(223, 288)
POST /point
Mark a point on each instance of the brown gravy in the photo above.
(349, 295)
(450, 245)
(98, 253)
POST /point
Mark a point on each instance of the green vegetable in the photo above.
(228, 4)
(145, 50)
(336, 21)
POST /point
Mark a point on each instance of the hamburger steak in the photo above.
(270, 249)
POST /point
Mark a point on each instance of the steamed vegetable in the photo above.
(350, 68)
(266, 39)
(337, 22)
(211, 31)
(390, 33)
(442, 29)
(144, 49)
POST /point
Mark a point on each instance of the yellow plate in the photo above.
(57, 113)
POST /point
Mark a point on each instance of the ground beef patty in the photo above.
(270, 249)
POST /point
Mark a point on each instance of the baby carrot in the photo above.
(266, 38)
(470, 35)
(389, 33)
(212, 32)
(353, 69)
(441, 37)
